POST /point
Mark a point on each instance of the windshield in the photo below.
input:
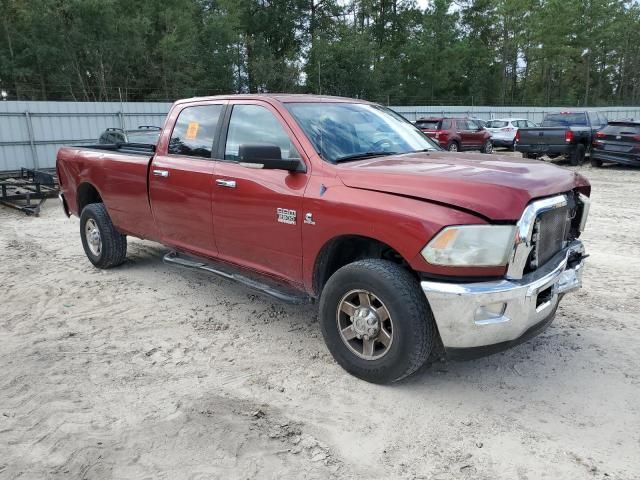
(497, 124)
(565, 120)
(428, 124)
(346, 131)
(622, 129)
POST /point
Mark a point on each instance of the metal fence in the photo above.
(32, 132)
(535, 114)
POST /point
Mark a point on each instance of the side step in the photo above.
(264, 285)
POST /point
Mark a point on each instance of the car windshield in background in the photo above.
(565, 120)
(348, 131)
(622, 129)
(428, 124)
(497, 124)
(149, 138)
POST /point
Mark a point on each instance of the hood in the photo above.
(496, 187)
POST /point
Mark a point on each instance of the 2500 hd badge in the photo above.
(411, 251)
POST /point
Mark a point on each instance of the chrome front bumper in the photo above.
(503, 312)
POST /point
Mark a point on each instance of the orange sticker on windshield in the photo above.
(192, 130)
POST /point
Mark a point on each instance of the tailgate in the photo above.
(542, 136)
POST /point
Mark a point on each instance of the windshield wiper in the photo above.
(359, 156)
(423, 150)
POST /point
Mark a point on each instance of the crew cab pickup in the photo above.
(409, 250)
(566, 133)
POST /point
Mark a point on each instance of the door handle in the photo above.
(161, 173)
(226, 183)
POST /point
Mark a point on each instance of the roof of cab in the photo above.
(277, 97)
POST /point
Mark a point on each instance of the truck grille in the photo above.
(551, 231)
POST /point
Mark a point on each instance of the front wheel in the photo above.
(487, 147)
(104, 246)
(376, 321)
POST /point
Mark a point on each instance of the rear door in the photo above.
(181, 181)
(258, 213)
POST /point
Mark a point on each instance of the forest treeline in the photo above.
(534, 52)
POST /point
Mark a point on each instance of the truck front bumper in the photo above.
(477, 319)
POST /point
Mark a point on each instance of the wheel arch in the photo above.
(87, 193)
(344, 249)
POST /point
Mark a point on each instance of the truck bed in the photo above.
(119, 173)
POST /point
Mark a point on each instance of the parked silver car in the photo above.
(503, 130)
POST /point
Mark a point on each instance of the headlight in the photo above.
(471, 246)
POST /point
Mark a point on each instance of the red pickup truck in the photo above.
(409, 250)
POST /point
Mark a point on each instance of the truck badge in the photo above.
(286, 216)
(308, 218)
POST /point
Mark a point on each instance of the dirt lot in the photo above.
(146, 371)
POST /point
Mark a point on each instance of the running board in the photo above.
(269, 287)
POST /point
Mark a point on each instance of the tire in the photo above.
(412, 325)
(487, 147)
(530, 156)
(453, 147)
(576, 157)
(109, 248)
(595, 162)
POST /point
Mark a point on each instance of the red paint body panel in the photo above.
(182, 203)
(494, 187)
(121, 181)
(401, 200)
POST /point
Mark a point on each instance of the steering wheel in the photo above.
(379, 145)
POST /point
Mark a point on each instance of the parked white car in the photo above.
(503, 130)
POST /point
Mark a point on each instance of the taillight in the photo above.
(636, 138)
(568, 136)
(601, 135)
(517, 138)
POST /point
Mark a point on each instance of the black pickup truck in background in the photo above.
(566, 133)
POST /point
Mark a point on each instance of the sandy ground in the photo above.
(146, 371)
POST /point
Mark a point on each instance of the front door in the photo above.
(258, 212)
(181, 181)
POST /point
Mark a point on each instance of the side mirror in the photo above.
(268, 157)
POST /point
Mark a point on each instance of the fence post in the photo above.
(121, 117)
(32, 140)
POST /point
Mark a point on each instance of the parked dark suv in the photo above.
(457, 134)
(618, 142)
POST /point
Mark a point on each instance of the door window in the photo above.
(195, 131)
(446, 124)
(255, 125)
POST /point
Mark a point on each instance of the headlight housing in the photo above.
(471, 246)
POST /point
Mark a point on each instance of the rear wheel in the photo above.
(104, 246)
(487, 147)
(453, 147)
(576, 157)
(376, 321)
(531, 156)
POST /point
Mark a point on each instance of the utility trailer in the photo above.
(26, 190)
